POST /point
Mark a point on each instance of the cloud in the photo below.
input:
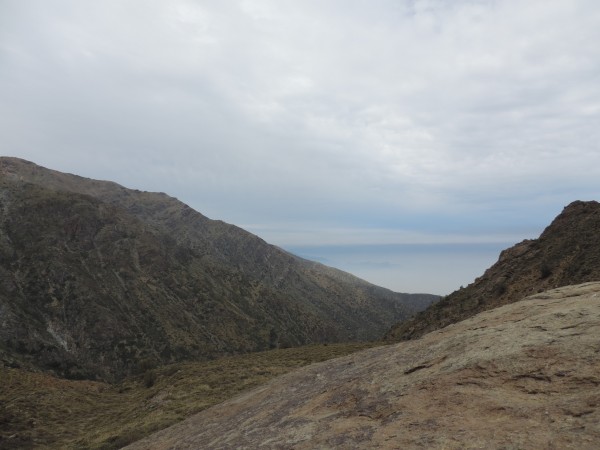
(347, 119)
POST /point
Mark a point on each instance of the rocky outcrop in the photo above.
(524, 375)
(566, 253)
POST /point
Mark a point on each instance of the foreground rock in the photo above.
(525, 375)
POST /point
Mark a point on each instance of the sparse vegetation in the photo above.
(109, 281)
(39, 410)
(501, 289)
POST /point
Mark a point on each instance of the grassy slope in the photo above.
(39, 410)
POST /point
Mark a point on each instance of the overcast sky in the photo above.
(317, 122)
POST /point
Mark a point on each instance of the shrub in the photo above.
(149, 378)
(545, 270)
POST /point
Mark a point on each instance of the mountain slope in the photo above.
(567, 252)
(39, 410)
(97, 280)
(523, 375)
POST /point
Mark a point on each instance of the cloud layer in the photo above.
(317, 121)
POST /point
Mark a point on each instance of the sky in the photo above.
(378, 129)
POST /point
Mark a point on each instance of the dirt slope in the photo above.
(524, 375)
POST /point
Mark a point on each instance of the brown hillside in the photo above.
(97, 280)
(567, 252)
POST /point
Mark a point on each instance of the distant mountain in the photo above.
(100, 281)
(567, 252)
(524, 375)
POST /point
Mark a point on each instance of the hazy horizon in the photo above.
(430, 268)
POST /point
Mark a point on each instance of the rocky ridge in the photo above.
(524, 375)
(566, 253)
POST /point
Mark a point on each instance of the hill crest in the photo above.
(566, 253)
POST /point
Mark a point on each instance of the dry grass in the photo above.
(41, 411)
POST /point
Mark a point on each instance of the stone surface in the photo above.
(521, 376)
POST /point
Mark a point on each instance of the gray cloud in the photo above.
(334, 120)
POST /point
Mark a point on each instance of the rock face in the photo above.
(524, 375)
(566, 253)
(100, 281)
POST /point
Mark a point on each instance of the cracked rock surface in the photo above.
(522, 376)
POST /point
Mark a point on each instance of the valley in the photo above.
(41, 410)
(99, 281)
(128, 318)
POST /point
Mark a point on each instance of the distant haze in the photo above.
(321, 123)
(435, 269)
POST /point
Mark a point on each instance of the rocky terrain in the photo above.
(99, 281)
(524, 375)
(567, 252)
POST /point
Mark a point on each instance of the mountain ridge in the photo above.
(567, 252)
(102, 281)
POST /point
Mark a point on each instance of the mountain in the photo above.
(524, 375)
(100, 281)
(567, 252)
